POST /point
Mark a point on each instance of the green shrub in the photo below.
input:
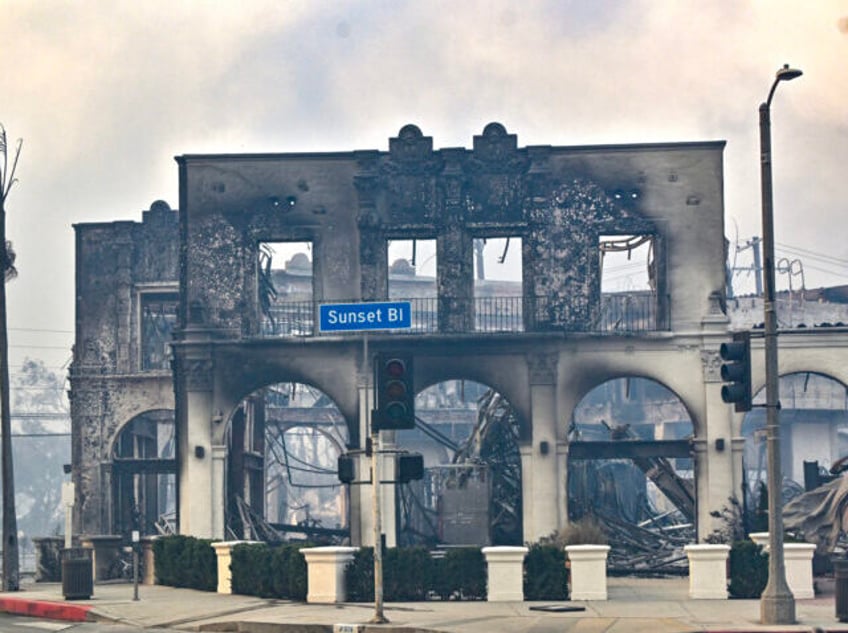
(359, 576)
(251, 570)
(412, 574)
(545, 575)
(407, 574)
(278, 572)
(748, 570)
(185, 561)
(460, 574)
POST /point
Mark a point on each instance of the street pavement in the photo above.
(635, 605)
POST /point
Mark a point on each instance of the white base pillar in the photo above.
(224, 556)
(588, 577)
(505, 573)
(798, 561)
(325, 571)
(707, 571)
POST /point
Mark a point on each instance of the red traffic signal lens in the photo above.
(395, 367)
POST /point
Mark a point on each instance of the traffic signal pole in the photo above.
(379, 617)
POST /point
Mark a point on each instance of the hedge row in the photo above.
(409, 574)
(185, 561)
(269, 572)
(412, 574)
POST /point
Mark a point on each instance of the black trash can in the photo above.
(840, 576)
(77, 576)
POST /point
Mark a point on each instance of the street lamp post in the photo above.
(777, 605)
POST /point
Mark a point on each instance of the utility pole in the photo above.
(11, 568)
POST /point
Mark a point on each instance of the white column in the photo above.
(707, 571)
(505, 566)
(588, 571)
(545, 508)
(218, 457)
(325, 571)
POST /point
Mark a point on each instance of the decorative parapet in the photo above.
(707, 571)
(325, 570)
(505, 573)
(588, 571)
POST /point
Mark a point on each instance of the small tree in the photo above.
(11, 568)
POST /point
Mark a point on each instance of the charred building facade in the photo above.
(181, 320)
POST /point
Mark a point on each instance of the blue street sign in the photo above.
(352, 317)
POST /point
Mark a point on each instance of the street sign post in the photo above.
(357, 317)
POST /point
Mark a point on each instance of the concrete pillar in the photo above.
(219, 489)
(707, 571)
(148, 560)
(194, 408)
(325, 571)
(106, 549)
(543, 459)
(505, 567)
(588, 571)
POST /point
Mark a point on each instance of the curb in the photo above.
(46, 609)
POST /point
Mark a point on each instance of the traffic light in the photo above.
(736, 371)
(410, 466)
(395, 392)
(346, 469)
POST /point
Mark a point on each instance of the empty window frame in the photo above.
(498, 288)
(158, 320)
(285, 287)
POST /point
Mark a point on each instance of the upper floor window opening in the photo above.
(498, 287)
(158, 320)
(285, 287)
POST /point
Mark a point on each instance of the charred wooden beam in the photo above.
(629, 449)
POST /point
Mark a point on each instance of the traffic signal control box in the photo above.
(410, 467)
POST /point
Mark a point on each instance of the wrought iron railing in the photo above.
(620, 313)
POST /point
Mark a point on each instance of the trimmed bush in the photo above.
(278, 572)
(748, 570)
(185, 561)
(407, 574)
(545, 575)
(412, 574)
(460, 574)
(359, 576)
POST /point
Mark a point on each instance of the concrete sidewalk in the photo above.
(635, 605)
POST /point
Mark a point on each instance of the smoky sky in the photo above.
(105, 94)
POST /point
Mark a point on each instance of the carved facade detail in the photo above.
(543, 368)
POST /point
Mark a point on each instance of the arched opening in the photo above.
(630, 468)
(144, 475)
(471, 491)
(813, 429)
(285, 440)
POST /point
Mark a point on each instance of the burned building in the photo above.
(182, 319)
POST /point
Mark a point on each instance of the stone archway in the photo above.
(144, 474)
(284, 442)
(813, 428)
(471, 494)
(629, 458)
